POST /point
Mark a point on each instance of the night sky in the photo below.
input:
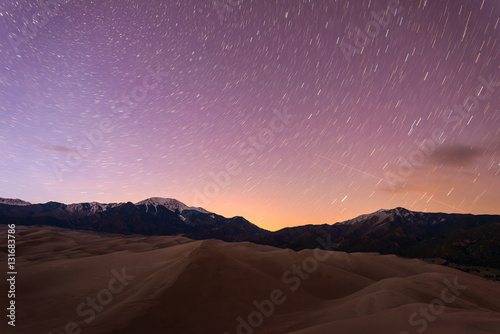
(284, 112)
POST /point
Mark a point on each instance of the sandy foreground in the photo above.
(85, 282)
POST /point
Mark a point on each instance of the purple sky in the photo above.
(284, 112)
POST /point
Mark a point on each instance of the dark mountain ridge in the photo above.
(154, 216)
(459, 238)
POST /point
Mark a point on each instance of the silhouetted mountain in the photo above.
(153, 216)
(460, 238)
(13, 201)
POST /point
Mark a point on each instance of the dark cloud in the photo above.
(455, 156)
(60, 149)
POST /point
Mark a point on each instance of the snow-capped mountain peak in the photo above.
(13, 201)
(381, 215)
(90, 208)
(170, 203)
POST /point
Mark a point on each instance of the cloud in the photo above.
(455, 156)
(448, 166)
(60, 149)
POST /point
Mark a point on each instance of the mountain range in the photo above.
(459, 238)
(153, 216)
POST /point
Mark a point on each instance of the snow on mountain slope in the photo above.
(90, 208)
(380, 215)
(169, 203)
(94, 207)
(13, 201)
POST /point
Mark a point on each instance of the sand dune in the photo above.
(177, 285)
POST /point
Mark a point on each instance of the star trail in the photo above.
(284, 112)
